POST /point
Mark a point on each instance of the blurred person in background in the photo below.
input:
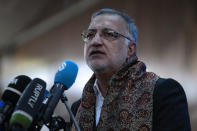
(121, 95)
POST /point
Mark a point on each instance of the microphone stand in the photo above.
(57, 123)
(65, 101)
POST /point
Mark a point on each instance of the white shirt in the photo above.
(99, 101)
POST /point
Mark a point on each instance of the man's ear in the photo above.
(131, 48)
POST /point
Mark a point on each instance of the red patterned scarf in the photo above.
(128, 104)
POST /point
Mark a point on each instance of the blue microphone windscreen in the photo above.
(66, 74)
(46, 92)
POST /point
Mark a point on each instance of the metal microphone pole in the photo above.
(65, 101)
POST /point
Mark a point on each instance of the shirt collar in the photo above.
(96, 88)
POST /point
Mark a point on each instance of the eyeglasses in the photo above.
(106, 33)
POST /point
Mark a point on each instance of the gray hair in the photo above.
(130, 23)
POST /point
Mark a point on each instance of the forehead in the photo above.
(112, 21)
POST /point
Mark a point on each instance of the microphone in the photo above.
(1, 103)
(64, 78)
(11, 96)
(28, 105)
(37, 123)
(2, 126)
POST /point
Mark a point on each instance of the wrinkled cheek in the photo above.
(85, 53)
(119, 59)
(87, 59)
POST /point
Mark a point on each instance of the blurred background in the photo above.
(37, 36)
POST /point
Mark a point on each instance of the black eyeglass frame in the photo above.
(117, 33)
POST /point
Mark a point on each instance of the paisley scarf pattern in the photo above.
(128, 104)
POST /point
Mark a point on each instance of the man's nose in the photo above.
(97, 40)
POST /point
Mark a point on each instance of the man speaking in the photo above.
(121, 95)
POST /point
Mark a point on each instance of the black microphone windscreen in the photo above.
(15, 89)
(28, 104)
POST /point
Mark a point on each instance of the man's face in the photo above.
(103, 54)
